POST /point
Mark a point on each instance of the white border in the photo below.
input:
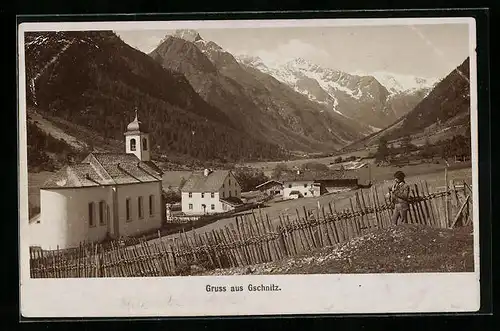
(301, 294)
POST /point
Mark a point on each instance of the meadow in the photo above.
(434, 177)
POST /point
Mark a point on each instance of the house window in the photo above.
(127, 209)
(140, 207)
(190, 206)
(132, 144)
(204, 207)
(91, 214)
(229, 193)
(229, 181)
(144, 144)
(102, 212)
(202, 195)
(212, 195)
(190, 194)
(305, 193)
(151, 205)
(289, 185)
(212, 206)
(305, 185)
(235, 193)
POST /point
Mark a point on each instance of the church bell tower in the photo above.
(137, 140)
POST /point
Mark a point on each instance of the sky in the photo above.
(424, 50)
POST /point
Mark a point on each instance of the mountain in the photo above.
(358, 96)
(396, 83)
(445, 109)
(95, 80)
(258, 104)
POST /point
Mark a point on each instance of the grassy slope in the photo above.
(406, 248)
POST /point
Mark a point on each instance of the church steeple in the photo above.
(137, 139)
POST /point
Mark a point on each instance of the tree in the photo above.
(249, 178)
(316, 166)
(279, 169)
(427, 149)
(406, 144)
(382, 150)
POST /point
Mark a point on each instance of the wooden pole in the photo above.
(446, 208)
(460, 211)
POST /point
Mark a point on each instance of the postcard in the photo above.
(248, 167)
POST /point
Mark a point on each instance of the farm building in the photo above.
(271, 187)
(313, 184)
(106, 195)
(210, 191)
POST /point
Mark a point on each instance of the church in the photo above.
(107, 195)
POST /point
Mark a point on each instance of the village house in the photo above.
(107, 195)
(313, 184)
(209, 192)
(271, 188)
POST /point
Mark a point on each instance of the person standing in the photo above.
(400, 195)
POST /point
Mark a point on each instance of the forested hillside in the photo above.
(95, 80)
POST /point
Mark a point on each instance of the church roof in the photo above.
(99, 169)
(198, 182)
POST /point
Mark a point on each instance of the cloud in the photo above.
(293, 48)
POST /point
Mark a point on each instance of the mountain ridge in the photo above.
(362, 98)
(262, 105)
(446, 106)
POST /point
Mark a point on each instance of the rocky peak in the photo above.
(188, 35)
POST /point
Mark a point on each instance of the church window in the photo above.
(144, 144)
(102, 212)
(140, 207)
(91, 214)
(132, 144)
(151, 205)
(127, 209)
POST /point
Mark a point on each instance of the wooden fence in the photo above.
(254, 238)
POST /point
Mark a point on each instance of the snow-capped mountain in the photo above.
(256, 102)
(397, 83)
(359, 96)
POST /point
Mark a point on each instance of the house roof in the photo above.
(105, 169)
(312, 176)
(233, 201)
(198, 182)
(173, 179)
(269, 182)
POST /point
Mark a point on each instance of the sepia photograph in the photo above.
(215, 154)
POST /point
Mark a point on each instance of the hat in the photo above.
(399, 175)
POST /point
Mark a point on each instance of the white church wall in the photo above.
(136, 225)
(64, 217)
